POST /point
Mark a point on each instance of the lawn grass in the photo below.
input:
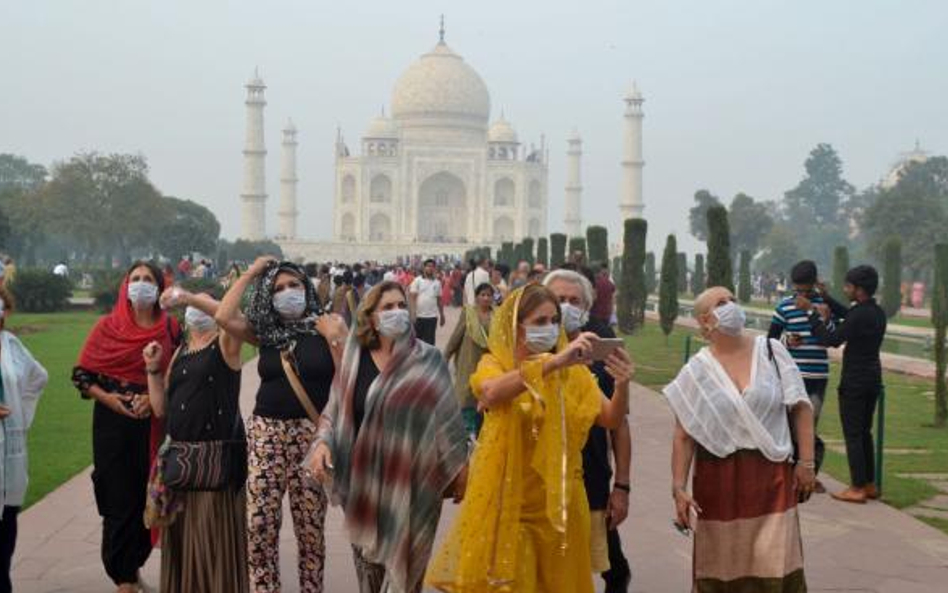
(60, 440)
(911, 321)
(912, 444)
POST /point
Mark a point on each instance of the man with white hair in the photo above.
(608, 507)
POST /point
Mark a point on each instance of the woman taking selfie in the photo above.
(524, 524)
(731, 403)
(111, 371)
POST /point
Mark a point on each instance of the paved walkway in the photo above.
(871, 548)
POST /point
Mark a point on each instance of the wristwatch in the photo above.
(621, 486)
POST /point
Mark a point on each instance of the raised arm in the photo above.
(229, 315)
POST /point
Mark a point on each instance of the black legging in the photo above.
(120, 480)
(856, 408)
(7, 544)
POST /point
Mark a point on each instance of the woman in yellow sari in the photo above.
(524, 524)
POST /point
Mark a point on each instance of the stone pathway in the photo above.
(853, 548)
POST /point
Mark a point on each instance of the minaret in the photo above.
(287, 213)
(573, 211)
(254, 194)
(630, 200)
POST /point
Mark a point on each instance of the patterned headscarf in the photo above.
(271, 329)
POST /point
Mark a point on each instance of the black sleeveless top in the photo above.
(315, 367)
(203, 397)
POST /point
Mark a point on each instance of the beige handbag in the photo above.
(286, 358)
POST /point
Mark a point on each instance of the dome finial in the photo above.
(441, 30)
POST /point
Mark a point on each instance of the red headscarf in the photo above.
(114, 347)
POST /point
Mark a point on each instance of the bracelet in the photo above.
(154, 371)
(621, 486)
(807, 464)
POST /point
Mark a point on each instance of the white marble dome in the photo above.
(502, 131)
(441, 85)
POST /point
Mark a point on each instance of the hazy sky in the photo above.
(737, 92)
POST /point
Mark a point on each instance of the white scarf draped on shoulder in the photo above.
(723, 420)
(23, 382)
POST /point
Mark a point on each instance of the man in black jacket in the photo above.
(862, 331)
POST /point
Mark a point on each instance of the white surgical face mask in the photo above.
(731, 319)
(394, 323)
(198, 320)
(542, 338)
(574, 318)
(142, 294)
(290, 303)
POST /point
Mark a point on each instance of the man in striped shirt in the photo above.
(810, 355)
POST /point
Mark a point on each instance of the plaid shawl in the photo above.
(391, 478)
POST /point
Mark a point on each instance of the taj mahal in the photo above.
(434, 176)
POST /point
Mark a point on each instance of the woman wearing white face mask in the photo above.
(393, 440)
(300, 348)
(204, 545)
(524, 524)
(731, 404)
(111, 371)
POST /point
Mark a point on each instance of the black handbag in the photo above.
(204, 465)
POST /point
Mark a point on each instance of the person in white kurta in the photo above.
(22, 380)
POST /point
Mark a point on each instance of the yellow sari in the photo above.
(524, 524)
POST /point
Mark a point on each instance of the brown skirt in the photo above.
(205, 549)
(747, 538)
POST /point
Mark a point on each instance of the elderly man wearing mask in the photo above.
(608, 507)
(733, 404)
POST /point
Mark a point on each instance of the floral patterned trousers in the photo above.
(276, 449)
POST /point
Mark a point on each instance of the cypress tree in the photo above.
(543, 251)
(940, 321)
(892, 276)
(527, 252)
(650, 284)
(616, 268)
(744, 290)
(577, 244)
(557, 250)
(697, 277)
(840, 267)
(506, 252)
(632, 297)
(597, 240)
(668, 287)
(719, 249)
(682, 268)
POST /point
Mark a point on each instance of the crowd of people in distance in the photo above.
(519, 416)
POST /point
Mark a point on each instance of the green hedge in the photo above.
(39, 291)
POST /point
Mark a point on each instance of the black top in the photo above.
(862, 330)
(275, 398)
(367, 374)
(597, 471)
(203, 394)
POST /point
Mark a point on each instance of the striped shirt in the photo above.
(811, 357)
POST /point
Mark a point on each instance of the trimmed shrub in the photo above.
(697, 277)
(651, 285)
(632, 294)
(744, 290)
(892, 276)
(720, 271)
(543, 251)
(669, 287)
(39, 291)
(597, 240)
(840, 267)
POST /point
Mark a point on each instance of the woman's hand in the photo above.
(141, 405)
(684, 504)
(459, 486)
(332, 327)
(804, 481)
(174, 296)
(152, 354)
(259, 265)
(619, 365)
(120, 403)
(4, 412)
(321, 463)
(579, 351)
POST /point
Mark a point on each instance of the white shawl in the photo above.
(723, 420)
(23, 382)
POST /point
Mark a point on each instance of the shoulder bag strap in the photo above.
(297, 386)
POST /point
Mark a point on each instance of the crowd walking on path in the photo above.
(520, 417)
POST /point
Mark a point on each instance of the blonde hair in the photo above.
(366, 334)
(532, 297)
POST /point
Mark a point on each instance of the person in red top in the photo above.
(605, 291)
(124, 437)
(184, 268)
